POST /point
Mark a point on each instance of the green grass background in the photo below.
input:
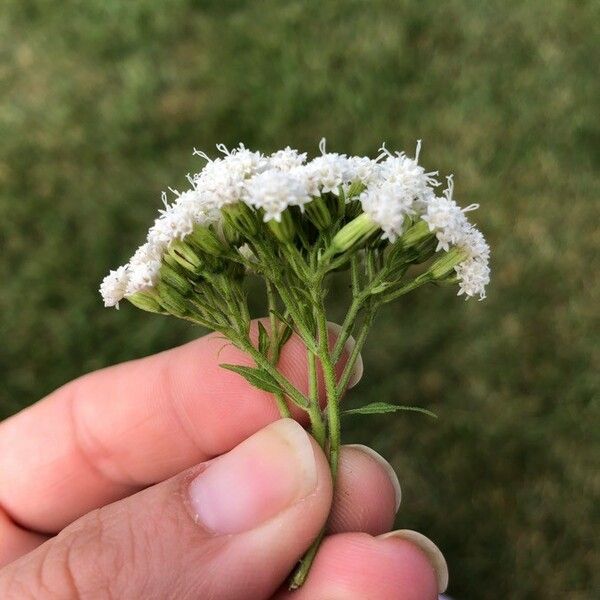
(101, 103)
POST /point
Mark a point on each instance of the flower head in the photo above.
(273, 191)
(114, 286)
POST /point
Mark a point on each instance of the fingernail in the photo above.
(257, 480)
(358, 370)
(386, 466)
(430, 550)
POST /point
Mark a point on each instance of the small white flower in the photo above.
(474, 275)
(274, 191)
(114, 286)
(363, 169)
(447, 219)
(399, 187)
(144, 267)
(221, 182)
(287, 159)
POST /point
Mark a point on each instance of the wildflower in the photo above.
(292, 223)
(114, 286)
(273, 191)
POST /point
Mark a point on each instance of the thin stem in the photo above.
(306, 562)
(284, 410)
(347, 326)
(360, 342)
(333, 411)
(314, 411)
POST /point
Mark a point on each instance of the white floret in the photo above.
(474, 276)
(400, 188)
(222, 180)
(144, 267)
(114, 286)
(287, 159)
(274, 191)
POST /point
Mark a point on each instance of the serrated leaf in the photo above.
(263, 339)
(256, 377)
(378, 408)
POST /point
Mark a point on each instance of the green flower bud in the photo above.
(355, 189)
(146, 301)
(444, 266)
(242, 218)
(415, 234)
(284, 230)
(206, 240)
(171, 300)
(185, 256)
(355, 233)
(174, 280)
(318, 212)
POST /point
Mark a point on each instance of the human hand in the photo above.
(169, 477)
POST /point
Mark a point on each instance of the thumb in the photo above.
(230, 528)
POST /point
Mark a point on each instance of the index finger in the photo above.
(112, 432)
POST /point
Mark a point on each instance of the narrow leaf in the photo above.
(255, 376)
(377, 408)
(263, 339)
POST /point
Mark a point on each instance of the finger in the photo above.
(367, 496)
(367, 492)
(356, 566)
(232, 528)
(15, 541)
(115, 431)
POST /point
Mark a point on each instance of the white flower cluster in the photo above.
(395, 187)
(452, 228)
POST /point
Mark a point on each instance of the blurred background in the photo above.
(101, 104)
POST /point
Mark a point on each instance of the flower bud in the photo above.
(206, 240)
(146, 301)
(184, 255)
(284, 230)
(318, 212)
(415, 234)
(242, 218)
(355, 189)
(355, 233)
(171, 300)
(444, 266)
(174, 280)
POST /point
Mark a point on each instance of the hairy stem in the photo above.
(314, 411)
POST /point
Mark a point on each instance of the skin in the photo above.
(96, 493)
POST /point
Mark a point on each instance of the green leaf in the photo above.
(263, 339)
(256, 377)
(285, 335)
(378, 408)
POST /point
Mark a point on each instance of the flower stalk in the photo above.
(293, 223)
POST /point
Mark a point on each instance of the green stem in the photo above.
(333, 410)
(314, 411)
(360, 342)
(347, 326)
(306, 562)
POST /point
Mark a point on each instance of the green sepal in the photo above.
(379, 408)
(263, 339)
(145, 301)
(318, 213)
(174, 279)
(354, 234)
(256, 377)
(204, 239)
(284, 230)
